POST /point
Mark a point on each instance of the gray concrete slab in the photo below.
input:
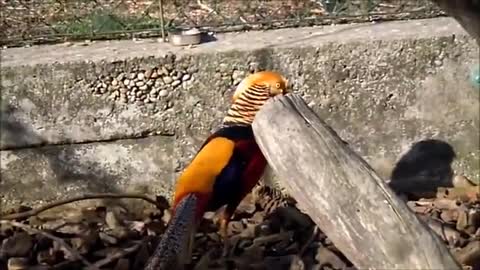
(42, 174)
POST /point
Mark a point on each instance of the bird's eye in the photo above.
(277, 85)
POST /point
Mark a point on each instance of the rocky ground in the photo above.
(264, 235)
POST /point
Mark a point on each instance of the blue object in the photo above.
(475, 77)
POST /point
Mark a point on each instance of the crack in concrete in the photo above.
(109, 140)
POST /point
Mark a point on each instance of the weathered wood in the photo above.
(342, 193)
(466, 12)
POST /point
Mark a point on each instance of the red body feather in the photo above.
(243, 168)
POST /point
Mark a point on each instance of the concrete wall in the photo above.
(125, 115)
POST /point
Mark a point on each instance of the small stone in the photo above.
(167, 80)
(140, 83)
(176, 83)
(152, 99)
(131, 84)
(18, 245)
(291, 262)
(122, 264)
(325, 256)
(165, 71)
(223, 68)
(438, 63)
(115, 82)
(107, 238)
(126, 82)
(163, 93)
(150, 82)
(235, 227)
(47, 257)
(186, 77)
(121, 76)
(140, 76)
(84, 243)
(462, 181)
(449, 215)
(177, 76)
(140, 226)
(17, 263)
(462, 220)
(238, 74)
(132, 76)
(167, 215)
(120, 233)
(168, 67)
(192, 69)
(158, 83)
(143, 87)
(470, 254)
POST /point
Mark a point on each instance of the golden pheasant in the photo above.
(224, 170)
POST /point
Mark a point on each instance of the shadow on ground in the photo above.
(424, 168)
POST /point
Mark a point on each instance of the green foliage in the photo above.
(346, 7)
(104, 22)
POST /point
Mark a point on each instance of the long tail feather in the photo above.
(175, 247)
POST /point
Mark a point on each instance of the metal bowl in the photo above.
(184, 37)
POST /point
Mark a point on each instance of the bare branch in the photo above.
(34, 212)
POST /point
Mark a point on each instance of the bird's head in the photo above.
(252, 93)
(269, 83)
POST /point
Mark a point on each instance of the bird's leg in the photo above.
(224, 227)
(225, 218)
(223, 231)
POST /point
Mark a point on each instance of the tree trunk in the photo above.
(342, 194)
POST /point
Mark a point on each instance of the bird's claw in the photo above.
(225, 250)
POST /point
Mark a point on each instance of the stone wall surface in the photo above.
(126, 115)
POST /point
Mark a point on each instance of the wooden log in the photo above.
(466, 12)
(342, 194)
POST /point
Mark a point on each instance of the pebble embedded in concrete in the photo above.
(142, 86)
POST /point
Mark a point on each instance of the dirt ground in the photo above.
(266, 233)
